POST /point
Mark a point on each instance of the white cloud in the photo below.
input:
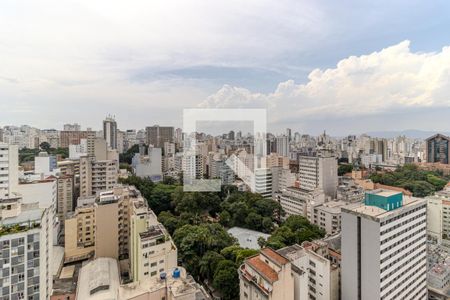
(392, 79)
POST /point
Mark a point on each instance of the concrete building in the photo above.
(65, 201)
(282, 143)
(438, 149)
(26, 245)
(315, 276)
(44, 163)
(438, 217)
(72, 127)
(158, 135)
(328, 215)
(156, 252)
(299, 202)
(148, 166)
(76, 151)
(267, 275)
(110, 132)
(98, 280)
(217, 168)
(263, 182)
(97, 175)
(118, 224)
(9, 169)
(384, 250)
(319, 172)
(73, 137)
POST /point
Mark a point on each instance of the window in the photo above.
(153, 273)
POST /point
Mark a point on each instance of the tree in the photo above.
(208, 264)
(344, 169)
(45, 147)
(226, 280)
(295, 230)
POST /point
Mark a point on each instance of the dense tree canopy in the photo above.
(420, 182)
(295, 230)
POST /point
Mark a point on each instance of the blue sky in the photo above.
(344, 66)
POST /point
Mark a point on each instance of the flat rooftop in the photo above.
(384, 192)
(379, 213)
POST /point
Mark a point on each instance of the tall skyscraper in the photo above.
(289, 134)
(384, 248)
(157, 135)
(438, 149)
(110, 132)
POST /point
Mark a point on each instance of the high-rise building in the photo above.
(438, 149)
(282, 143)
(110, 132)
(263, 182)
(119, 224)
(320, 172)
(65, 200)
(289, 134)
(9, 168)
(97, 175)
(26, 245)
(384, 248)
(157, 135)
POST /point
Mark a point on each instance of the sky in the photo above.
(347, 67)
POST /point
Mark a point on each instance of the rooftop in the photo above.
(379, 213)
(274, 256)
(262, 268)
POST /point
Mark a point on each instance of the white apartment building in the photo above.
(149, 166)
(299, 202)
(9, 164)
(26, 249)
(78, 150)
(319, 172)
(263, 182)
(384, 248)
(315, 276)
(156, 253)
(44, 163)
(327, 215)
(438, 217)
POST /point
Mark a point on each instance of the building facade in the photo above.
(384, 248)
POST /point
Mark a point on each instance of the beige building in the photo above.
(100, 279)
(327, 215)
(267, 275)
(119, 224)
(65, 198)
(97, 176)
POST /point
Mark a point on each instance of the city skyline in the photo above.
(314, 66)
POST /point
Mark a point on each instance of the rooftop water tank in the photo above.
(176, 273)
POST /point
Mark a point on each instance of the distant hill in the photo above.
(412, 133)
